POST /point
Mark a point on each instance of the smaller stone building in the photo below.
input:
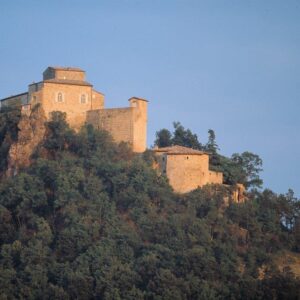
(186, 168)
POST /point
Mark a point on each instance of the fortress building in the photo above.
(66, 90)
(186, 168)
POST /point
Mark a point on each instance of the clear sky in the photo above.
(233, 66)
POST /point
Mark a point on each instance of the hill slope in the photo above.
(90, 220)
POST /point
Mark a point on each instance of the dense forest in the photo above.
(91, 220)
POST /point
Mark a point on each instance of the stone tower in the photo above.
(139, 122)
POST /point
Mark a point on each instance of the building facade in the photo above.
(66, 90)
(187, 169)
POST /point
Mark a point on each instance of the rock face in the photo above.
(31, 132)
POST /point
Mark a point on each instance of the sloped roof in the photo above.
(142, 99)
(180, 150)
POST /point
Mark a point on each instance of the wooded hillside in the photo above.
(91, 220)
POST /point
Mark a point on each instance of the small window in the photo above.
(60, 97)
(83, 98)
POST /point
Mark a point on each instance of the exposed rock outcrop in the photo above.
(31, 132)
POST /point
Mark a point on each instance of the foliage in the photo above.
(211, 145)
(241, 168)
(9, 118)
(251, 165)
(163, 138)
(93, 221)
(180, 136)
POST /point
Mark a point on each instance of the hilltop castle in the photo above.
(66, 90)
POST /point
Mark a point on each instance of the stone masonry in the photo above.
(186, 168)
(66, 90)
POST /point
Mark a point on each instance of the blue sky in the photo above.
(233, 66)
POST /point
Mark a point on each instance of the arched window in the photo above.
(60, 97)
(83, 99)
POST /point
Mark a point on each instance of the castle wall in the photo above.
(139, 124)
(97, 100)
(64, 89)
(64, 73)
(16, 100)
(92, 117)
(118, 121)
(187, 172)
(35, 97)
(49, 73)
(70, 75)
(35, 93)
(124, 124)
(215, 177)
(70, 104)
(34, 87)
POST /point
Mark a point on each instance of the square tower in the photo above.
(67, 73)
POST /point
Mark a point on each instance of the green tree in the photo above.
(252, 165)
(91, 220)
(211, 145)
(185, 137)
(59, 132)
(163, 138)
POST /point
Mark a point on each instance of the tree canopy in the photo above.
(91, 220)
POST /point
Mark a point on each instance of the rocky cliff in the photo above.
(31, 131)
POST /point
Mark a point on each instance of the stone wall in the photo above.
(97, 100)
(215, 177)
(34, 87)
(63, 73)
(117, 121)
(187, 172)
(17, 100)
(71, 102)
(49, 73)
(70, 75)
(139, 117)
(124, 124)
